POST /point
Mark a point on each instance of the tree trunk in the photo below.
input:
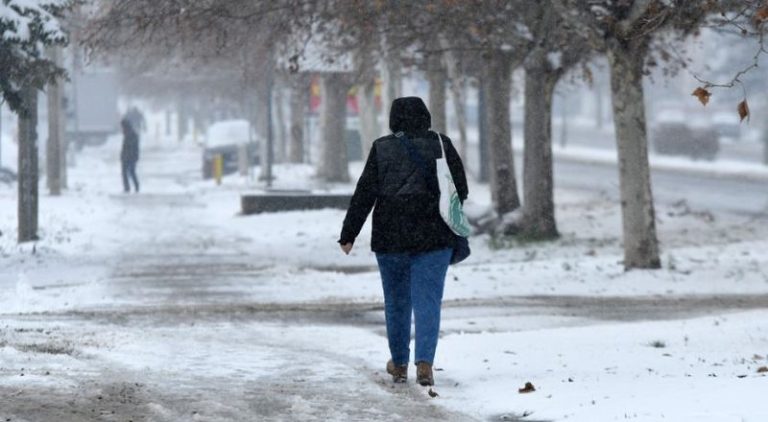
(641, 248)
(457, 84)
(53, 148)
(299, 100)
(437, 79)
(458, 90)
(28, 167)
(333, 165)
(279, 124)
(538, 193)
(503, 180)
(482, 132)
(393, 82)
(366, 100)
(369, 122)
(263, 120)
(182, 123)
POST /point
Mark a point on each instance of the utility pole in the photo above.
(55, 130)
(28, 170)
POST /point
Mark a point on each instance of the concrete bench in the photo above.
(276, 201)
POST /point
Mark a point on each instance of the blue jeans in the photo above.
(413, 282)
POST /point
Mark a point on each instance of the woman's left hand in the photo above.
(347, 247)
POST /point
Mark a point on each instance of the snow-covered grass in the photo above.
(98, 245)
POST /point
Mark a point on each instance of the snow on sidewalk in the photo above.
(180, 245)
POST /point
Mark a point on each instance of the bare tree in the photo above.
(333, 158)
(555, 48)
(248, 34)
(300, 85)
(625, 32)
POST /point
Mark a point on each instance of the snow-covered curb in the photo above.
(720, 168)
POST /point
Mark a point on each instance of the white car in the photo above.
(225, 138)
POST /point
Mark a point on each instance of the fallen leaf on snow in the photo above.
(529, 388)
(762, 369)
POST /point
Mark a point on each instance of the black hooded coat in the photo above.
(130, 151)
(406, 216)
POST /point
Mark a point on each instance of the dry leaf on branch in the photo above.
(761, 15)
(702, 94)
(529, 388)
(743, 110)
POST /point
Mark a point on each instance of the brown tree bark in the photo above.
(641, 249)
(498, 86)
(333, 165)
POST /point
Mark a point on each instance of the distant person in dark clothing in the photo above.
(136, 119)
(129, 155)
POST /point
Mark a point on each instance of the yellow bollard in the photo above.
(218, 167)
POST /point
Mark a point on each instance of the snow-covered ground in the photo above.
(169, 305)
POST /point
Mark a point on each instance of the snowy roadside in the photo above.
(718, 168)
(87, 231)
(207, 347)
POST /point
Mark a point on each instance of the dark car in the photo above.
(677, 138)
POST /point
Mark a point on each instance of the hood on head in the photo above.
(410, 115)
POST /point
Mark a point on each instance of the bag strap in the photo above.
(442, 148)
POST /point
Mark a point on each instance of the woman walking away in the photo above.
(413, 245)
(129, 155)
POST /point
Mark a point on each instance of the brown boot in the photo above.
(399, 372)
(424, 374)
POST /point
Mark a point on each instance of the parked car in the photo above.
(676, 138)
(225, 138)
